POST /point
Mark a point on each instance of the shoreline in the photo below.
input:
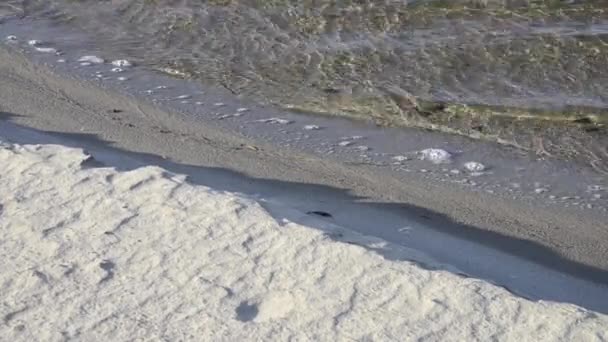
(79, 113)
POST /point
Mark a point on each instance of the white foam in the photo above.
(591, 188)
(122, 78)
(400, 158)
(252, 273)
(117, 70)
(219, 104)
(183, 97)
(61, 60)
(312, 127)
(122, 63)
(345, 143)
(33, 42)
(275, 121)
(435, 155)
(473, 166)
(91, 59)
(362, 148)
(242, 110)
(85, 64)
(46, 50)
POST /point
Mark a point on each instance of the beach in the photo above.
(127, 218)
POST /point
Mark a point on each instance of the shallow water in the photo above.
(532, 74)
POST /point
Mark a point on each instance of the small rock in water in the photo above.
(33, 42)
(362, 148)
(275, 121)
(435, 155)
(552, 197)
(117, 70)
(11, 38)
(91, 59)
(597, 196)
(319, 213)
(122, 63)
(455, 171)
(345, 143)
(312, 127)
(474, 166)
(161, 87)
(540, 190)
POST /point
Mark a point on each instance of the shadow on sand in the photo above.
(227, 180)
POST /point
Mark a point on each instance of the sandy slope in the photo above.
(97, 254)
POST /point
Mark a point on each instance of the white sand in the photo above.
(95, 254)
